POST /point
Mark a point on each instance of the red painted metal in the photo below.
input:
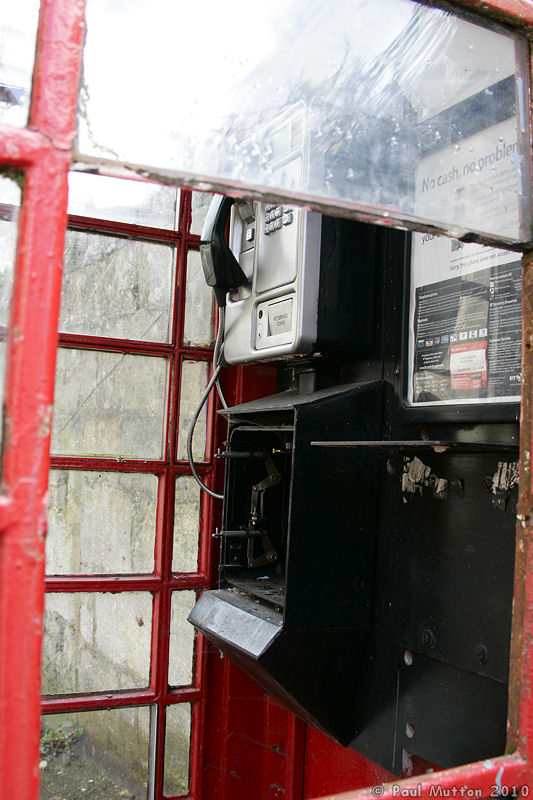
(44, 153)
(97, 700)
(518, 13)
(331, 767)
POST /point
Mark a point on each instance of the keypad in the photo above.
(276, 217)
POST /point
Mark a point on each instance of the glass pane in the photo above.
(117, 287)
(96, 642)
(465, 336)
(186, 524)
(200, 202)
(180, 665)
(100, 522)
(18, 30)
(395, 108)
(109, 404)
(194, 379)
(9, 206)
(198, 328)
(177, 749)
(122, 200)
(102, 754)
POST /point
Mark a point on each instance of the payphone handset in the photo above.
(273, 314)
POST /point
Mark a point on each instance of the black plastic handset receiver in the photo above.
(221, 269)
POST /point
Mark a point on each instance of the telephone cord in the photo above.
(217, 366)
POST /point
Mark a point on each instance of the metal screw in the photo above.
(481, 653)
(428, 638)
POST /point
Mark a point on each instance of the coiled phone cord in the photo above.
(217, 366)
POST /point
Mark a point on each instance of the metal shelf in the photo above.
(437, 446)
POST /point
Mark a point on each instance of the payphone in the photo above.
(367, 543)
(283, 281)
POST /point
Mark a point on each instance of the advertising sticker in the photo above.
(465, 323)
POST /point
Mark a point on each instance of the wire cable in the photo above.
(217, 352)
(192, 426)
(217, 366)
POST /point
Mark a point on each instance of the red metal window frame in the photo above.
(163, 581)
(43, 151)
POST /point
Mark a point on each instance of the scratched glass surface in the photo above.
(109, 404)
(194, 379)
(404, 111)
(177, 749)
(96, 641)
(18, 30)
(9, 207)
(199, 307)
(117, 287)
(181, 653)
(122, 200)
(103, 753)
(186, 524)
(100, 522)
(200, 202)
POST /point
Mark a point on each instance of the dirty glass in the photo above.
(97, 754)
(96, 642)
(200, 202)
(194, 379)
(122, 200)
(405, 111)
(181, 654)
(9, 206)
(18, 30)
(186, 524)
(117, 287)
(100, 522)
(199, 306)
(177, 749)
(109, 404)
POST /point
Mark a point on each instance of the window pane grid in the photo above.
(154, 579)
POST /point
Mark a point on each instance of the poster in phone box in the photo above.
(465, 323)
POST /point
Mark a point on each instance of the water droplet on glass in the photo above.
(329, 175)
(471, 47)
(350, 174)
(501, 139)
(457, 148)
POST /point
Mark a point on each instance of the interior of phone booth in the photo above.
(366, 571)
(354, 587)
